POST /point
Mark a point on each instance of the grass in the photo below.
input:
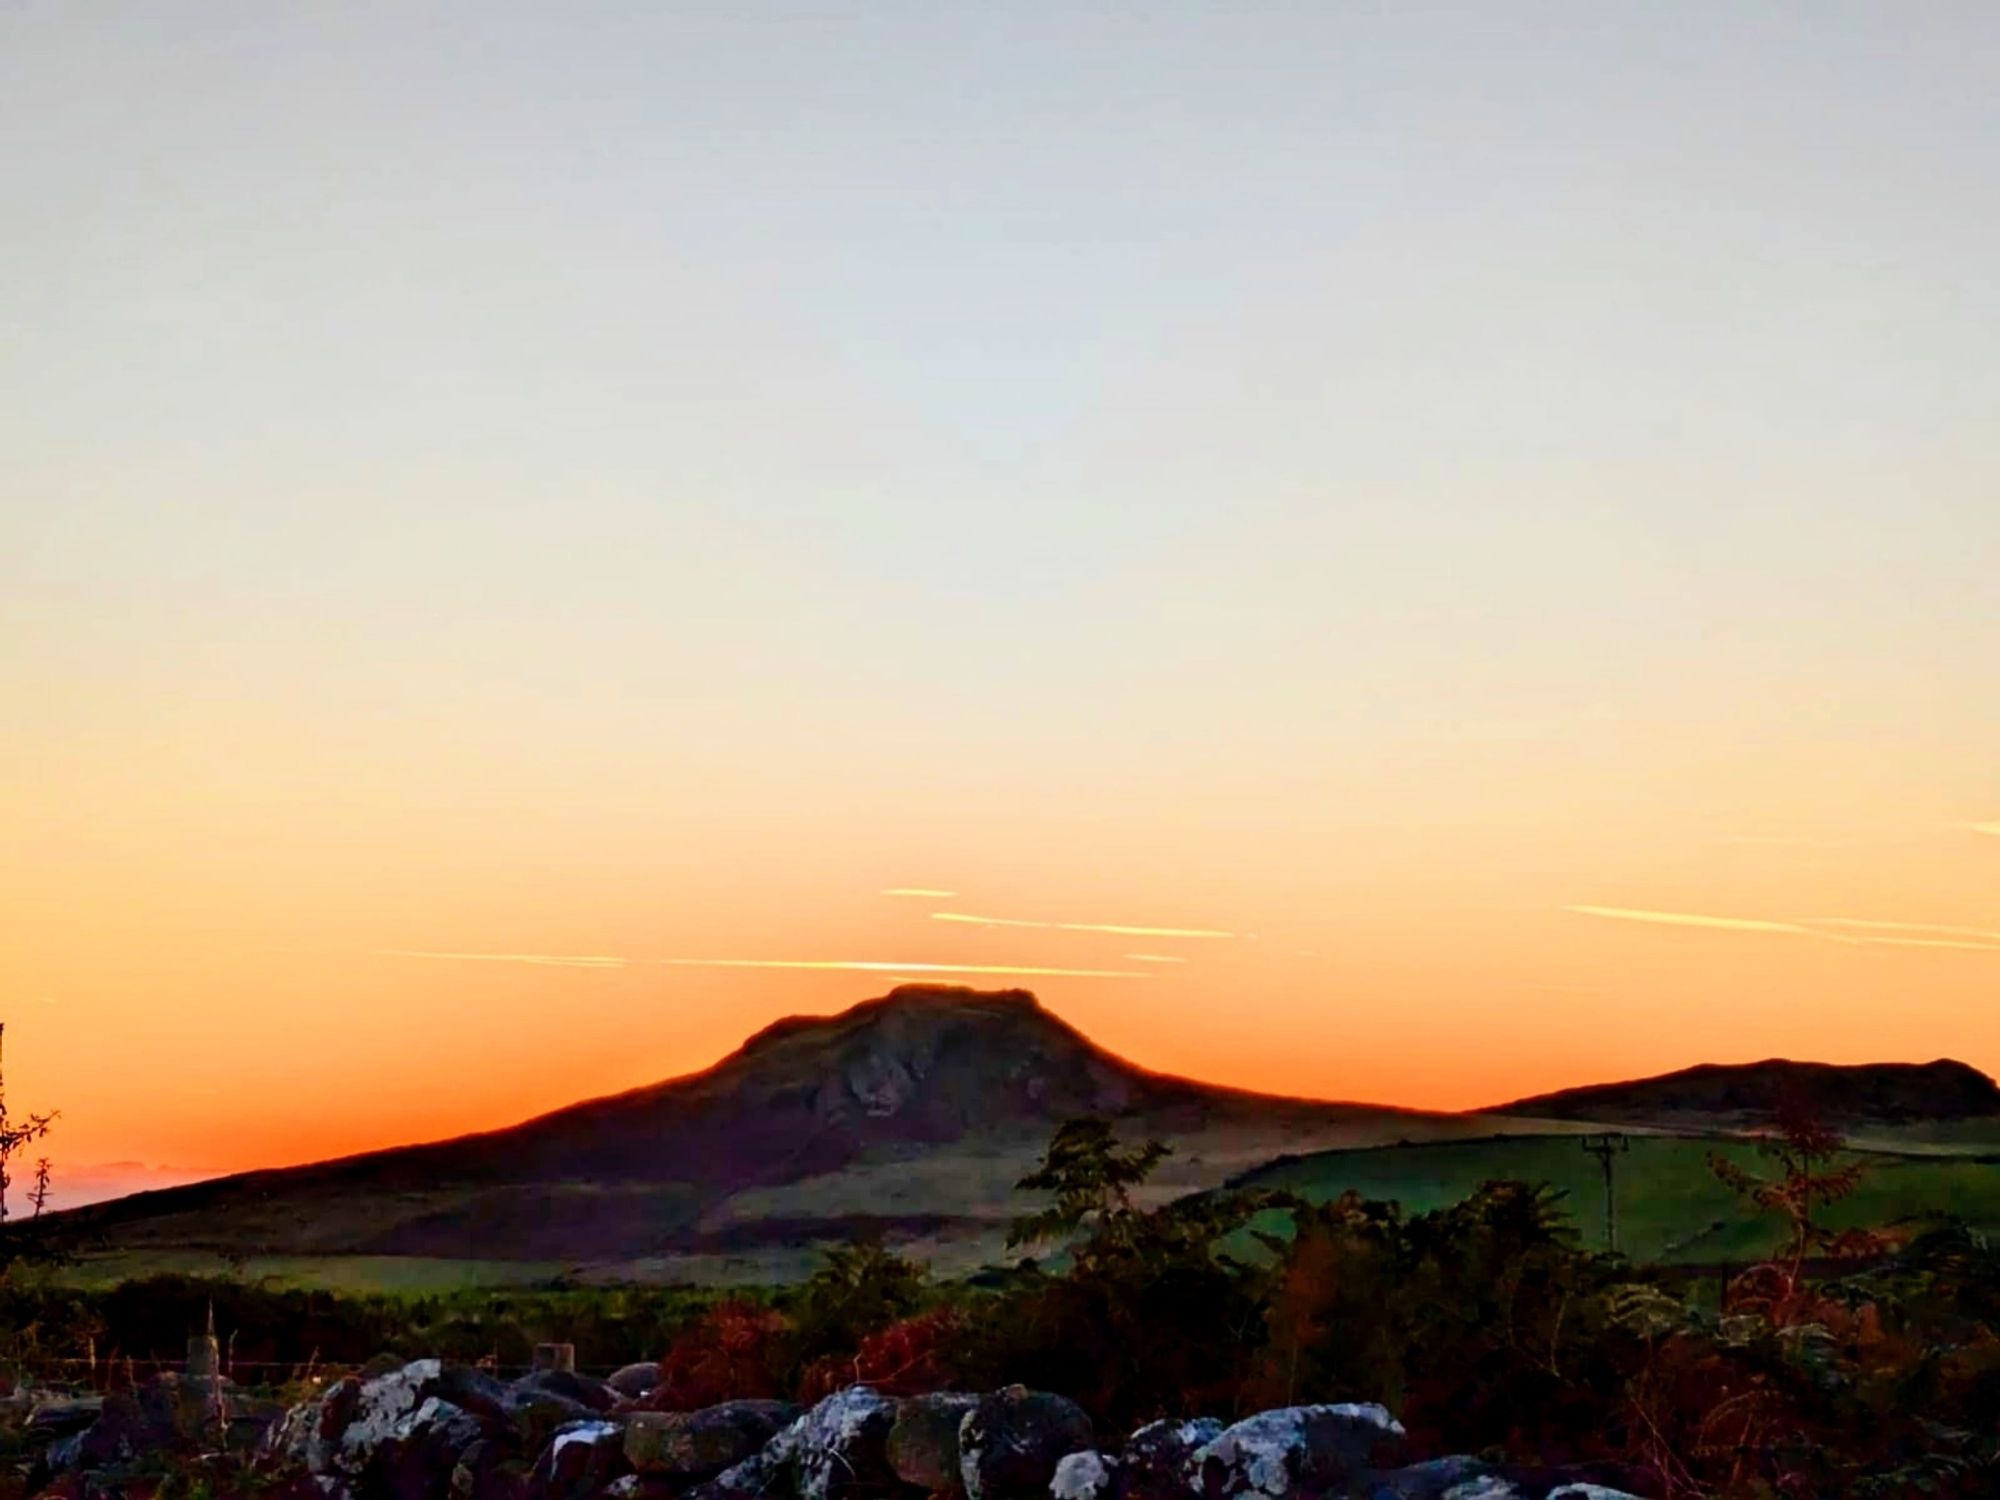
(1671, 1207)
(351, 1275)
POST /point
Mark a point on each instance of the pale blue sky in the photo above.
(1268, 457)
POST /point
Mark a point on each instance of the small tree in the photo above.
(15, 1136)
(1806, 1149)
(1090, 1178)
(858, 1290)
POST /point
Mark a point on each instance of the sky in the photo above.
(1417, 553)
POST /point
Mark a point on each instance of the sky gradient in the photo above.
(1421, 553)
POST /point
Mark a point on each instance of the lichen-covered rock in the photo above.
(423, 1451)
(645, 1487)
(702, 1444)
(337, 1433)
(837, 1449)
(402, 1433)
(580, 1464)
(635, 1381)
(1010, 1443)
(1485, 1487)
(923, 1444)
(1587, 1481)
(1154, 1465)
(1088, 1475)
(1296, 1448)
(1456, 1478)
(753, 1479)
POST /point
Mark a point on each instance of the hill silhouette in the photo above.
(1716, 1095)
(911, 1114)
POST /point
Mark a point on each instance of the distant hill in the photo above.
(913, 1115)
(1723, 1095)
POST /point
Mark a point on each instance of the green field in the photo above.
(353, 1275)
(1671, 1207)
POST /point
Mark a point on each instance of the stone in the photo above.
(489, 1470)
(380, 1408)
(836, 1450)
(1296, 1449)
(1154, 1465)
(340, 1434)
(1486, 1487)
(923, 1443)
(65, 1418)
(643, 1487)
(473, 1390)
(636, 1381)
(696, 1445)
(1088, 1475)
(1455, 1478)
(569, 1385)
(581, 1463)
(422, 1452)
(120, 1434)
(1586, 1481)
(1010, 1443)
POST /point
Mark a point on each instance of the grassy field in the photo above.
(353, 1275)
(1671, 1207)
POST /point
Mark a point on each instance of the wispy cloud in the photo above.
(1114, 928)
(1987, 828)
(1914, 942)
(960, 916)
(885, 966)
(857, 965)
(918, 890)
(559, 960)
(1854, 931)
(1691, 919)
(1154, 958)
(1867, 924)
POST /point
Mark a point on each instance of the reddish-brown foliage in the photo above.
(907, 1358)
(730, 1352)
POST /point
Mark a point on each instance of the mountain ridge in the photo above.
(1751, 1092)
(922, 1074)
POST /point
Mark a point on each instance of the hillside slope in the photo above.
(912, 1114)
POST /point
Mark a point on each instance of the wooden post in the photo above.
(204, 1360)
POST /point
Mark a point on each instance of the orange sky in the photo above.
(1419, 500)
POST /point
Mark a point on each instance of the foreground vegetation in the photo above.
(1853, 1361)
(1672, 1207)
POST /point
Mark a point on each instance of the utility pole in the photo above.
(1604, 1148)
